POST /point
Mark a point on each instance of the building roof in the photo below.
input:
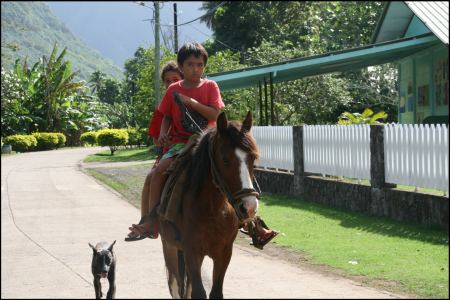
(434, 15)
(325, 63)
(397, 16)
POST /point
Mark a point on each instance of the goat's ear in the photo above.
(222, 123)
(247, 124)
(110, 247)
(93, 248)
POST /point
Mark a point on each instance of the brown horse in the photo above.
(217, 194)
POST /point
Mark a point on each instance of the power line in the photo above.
(215, 39)
(207, 13)
(191, 21)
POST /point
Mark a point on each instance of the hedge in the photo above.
(61, 139)
(21, 142)
(89, 138)
(46, 140)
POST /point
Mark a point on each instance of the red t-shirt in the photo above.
(155, 124)
(207, 93)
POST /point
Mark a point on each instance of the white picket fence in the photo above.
(337, 150)
(275, 147)
(417, 155)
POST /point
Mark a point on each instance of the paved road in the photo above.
(50, 211)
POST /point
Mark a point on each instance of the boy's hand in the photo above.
(164, 140)
(187, 101)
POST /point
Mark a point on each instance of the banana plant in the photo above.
(366, 117)
(56, 84)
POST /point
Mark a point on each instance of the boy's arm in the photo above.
(210, 113)
(164, 138)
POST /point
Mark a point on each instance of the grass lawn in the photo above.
(416, 258)
(122, 155)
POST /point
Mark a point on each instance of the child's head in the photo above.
(192, 48)
(170, 73)
(192, 58)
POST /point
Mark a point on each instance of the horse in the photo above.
(217, 196)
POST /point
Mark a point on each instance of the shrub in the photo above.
(145, 138)
(21, 142)
(46, 140)
(134, 137)
(61, 139)
(113, 138)
(89, 138)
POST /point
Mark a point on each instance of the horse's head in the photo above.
(235, 151)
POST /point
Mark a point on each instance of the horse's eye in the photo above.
(225, 161)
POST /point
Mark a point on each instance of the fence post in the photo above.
(377, 175)
(299, 162)
(378, 205)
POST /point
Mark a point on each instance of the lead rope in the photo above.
(258, 189)
(185, 112)
(221, 185)
(217, 180)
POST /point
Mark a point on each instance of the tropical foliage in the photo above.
(46, 96)
(366, 117)
(301, 29)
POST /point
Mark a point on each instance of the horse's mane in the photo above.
(199, 165)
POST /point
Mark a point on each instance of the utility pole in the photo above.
(157, 54)
(175, 27)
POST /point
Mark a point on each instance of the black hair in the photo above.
(191, 48)
(170, 66)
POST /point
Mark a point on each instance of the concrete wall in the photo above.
(409, 207)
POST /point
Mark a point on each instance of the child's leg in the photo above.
(146, 195)
(149, 226)
(157, 183)
(145, 200)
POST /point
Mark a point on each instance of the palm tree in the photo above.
(96, 81)
(209, 6)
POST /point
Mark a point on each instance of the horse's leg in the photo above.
(221, 263)
(194, 268)
(188, 290)
(174, 281)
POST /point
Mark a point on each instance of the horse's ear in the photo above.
(222, 122)
(247, 124)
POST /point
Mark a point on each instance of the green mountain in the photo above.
(29, 29)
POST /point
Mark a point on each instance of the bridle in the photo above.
(235, 199)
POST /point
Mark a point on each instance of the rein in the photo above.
(236, 198)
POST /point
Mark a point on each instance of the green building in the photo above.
(414, 35)
(423, 76)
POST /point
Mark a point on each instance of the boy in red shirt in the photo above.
(199, 96)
